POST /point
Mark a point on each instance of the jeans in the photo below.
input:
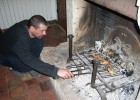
(11, 60)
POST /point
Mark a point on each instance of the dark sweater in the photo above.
(16, 40)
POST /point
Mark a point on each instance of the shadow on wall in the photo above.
(55, 34)
(84, 33)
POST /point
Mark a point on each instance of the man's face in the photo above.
(40, 31)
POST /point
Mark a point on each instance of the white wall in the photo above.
(12, 11)
(69, 11)
(75, 10)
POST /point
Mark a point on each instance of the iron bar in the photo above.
(70, 47)
(93, 78)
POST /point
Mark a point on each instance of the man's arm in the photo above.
(22, 50)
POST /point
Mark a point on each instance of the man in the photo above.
(21, 45)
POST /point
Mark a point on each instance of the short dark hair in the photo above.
(36, 20)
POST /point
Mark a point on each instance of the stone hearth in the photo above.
(79, 87)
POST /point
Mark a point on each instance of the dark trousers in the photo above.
(16, 64)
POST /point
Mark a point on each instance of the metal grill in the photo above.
(105, 82)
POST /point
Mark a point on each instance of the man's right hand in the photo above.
(65, 73)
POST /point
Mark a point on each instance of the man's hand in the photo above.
(65, 73)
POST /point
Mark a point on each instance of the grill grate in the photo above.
(105, 82)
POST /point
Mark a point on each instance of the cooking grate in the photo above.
(105, 81)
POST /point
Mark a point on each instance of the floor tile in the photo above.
(16, 93)
(17, 82)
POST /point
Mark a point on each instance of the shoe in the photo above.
(18, 74)
(34, 74)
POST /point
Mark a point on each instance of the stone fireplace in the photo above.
(99, 28)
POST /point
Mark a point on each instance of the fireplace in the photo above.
(103, 30)
(113, 27)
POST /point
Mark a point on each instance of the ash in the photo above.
(79, 87)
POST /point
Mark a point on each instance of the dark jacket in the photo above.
(16, 40)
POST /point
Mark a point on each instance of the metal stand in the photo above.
(93, 78)
(70, 47)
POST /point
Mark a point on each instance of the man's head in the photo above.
(37, 26)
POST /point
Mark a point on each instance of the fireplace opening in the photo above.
(97, 22)
(115, 46)
(105, 58)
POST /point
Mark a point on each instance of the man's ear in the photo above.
(32, 28)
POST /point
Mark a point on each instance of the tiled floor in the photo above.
(14, 88)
